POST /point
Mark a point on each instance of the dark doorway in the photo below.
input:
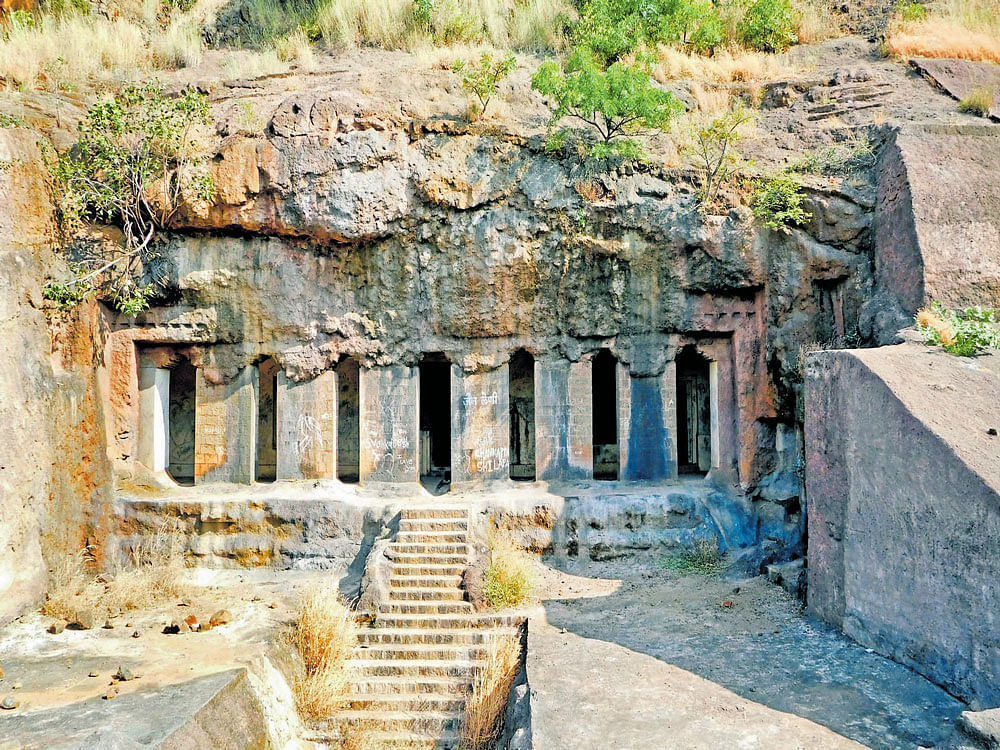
(180, 458)
(267, 420)
(435, 422)
(522, 416)
(348, 420)
(605, 415)
(694, 414)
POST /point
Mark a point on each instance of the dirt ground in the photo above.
(638, 656)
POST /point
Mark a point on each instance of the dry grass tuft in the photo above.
(325, 635)
(725, 66)
(490, 692)
(508, 576)
(978, 101)
(928, 318)
(147, 574)
(968, 29)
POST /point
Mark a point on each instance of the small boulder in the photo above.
(177, 627)
(84, 621)
(136, 634)
(192, 622)
(108, 625)
(222, 617)
(112, 692)
(124, 674)
(93, 673)
(57, 627)
(16, 686)
(1, 673)
(9, 703)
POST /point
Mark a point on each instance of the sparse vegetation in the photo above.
(777, 203)
(617, 102)
(853, 155)
(978, 101)
(133, 161)
(482, 79)
(768, 26)
(487, 701)
(714, 153)
(10, 121)
(325, 634)
(968, 29)
(705, 559)
(508, 577)
(959, 332)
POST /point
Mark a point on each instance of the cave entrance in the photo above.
(522, 416)
(435, 423)
(181, 420)
(267, 422)
(694, 413)
(604, 390)
(348, 420)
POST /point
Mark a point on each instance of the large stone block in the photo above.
(307, 427)
(388, 425)
(154, 411)
(563, 420)
(480, 425)
(225, 428)
(647, 426)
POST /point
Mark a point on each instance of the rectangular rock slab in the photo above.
(564, 428)
(307, 427)
(480, 425)
(389, 425)
(225, 438)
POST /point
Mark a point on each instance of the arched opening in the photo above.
(522, 416)
(348, 420)
(181, 410)
(694, 413)
(604, 390)
(435, 423)
(267, 422)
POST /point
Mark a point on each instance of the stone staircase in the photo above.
(414, 665)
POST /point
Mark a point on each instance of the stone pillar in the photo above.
(307, 427)
(564, 428)
(480, 425)
(154, 415)
(713, 401)
(647, 436)
(225, 438)
(389, 427)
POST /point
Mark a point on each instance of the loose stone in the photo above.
(9, 703)
(57, 627)
(222, 617)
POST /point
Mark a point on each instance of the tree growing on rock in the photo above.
(134, 159)
(482, 79)
(618, 102)
(714, 153)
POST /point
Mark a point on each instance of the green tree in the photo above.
(714, 152)
(768, 26)
(133, 159)
(777, 203)
(617, 102)
(482, 79)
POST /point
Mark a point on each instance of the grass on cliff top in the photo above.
(967, 29)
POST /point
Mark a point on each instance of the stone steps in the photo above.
(455, 620)
(457, 636)
(402, 558)
(422, 652)
(460, 536)
(425, 581)
(419, 722)
(431, 549)
(377, 685)
(431, 594)
(396, 702)
(428, 569)
(403, 607)
(424, 525)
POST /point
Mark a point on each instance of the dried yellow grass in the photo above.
(726, 66)
(508, 578)
(325, 635)
(490, 692)
(927, 318)
(967, 29)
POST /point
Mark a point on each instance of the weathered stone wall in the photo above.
(903, 483)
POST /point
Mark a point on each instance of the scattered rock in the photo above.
(108, 625)
(727, 604)
(177, 627)
(9, 703)
(274, 605)
(192, 622)
(1, 673)
(128, 625)
(94, 673)
(84, 621)
(124, 674)
(992, 431)
(136, 634)
(16, 686)
(112, 692)
(57, 627)
(791, 576)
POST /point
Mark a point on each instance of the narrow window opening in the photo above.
(267, 423)
(694, 413)
(435, 423)
(180, 462)
(605, 415)
(522, 416)
(348, 420)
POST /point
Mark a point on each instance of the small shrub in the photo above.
(978, 101)
(910, 11)
(714, 152)
(962, 333)
(325, 635)
(483, 78)
(487, 701)
(845, 158)
(616, 102)
(508, 579)
(11, 121)
(777, 203)
(423, 14)
(705, 559)
(768, 26)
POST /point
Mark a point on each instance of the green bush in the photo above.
(978, 101)
(482, 79)
(962, 332)
(840, 159)
(133, 160)
(714, 152)
(777, 203)
(909, 10)
(768, 26)
(705, 559)
(617, 102)
(508, 579)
